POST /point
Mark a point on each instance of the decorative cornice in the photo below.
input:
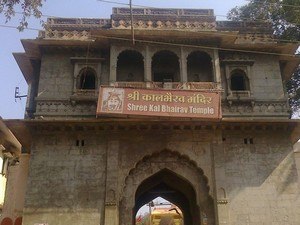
(67, 35)
(164, 24)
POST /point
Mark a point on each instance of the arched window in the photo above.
(86, 79)
(165, 67)
(130, 66)
(199, 67)
(239, 81)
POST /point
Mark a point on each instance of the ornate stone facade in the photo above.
(238, 169)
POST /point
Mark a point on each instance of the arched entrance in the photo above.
(170, 186)
(174, 177)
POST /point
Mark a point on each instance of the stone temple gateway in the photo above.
(235, 168)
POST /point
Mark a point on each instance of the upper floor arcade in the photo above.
(164, 67)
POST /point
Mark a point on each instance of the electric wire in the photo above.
(196, 46)
(178, 45)
(200, 32)
(247, 19)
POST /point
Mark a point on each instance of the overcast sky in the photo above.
(11, 75)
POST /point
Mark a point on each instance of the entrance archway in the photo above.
(170, 186)
(168, 172)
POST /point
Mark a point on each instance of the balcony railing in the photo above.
(131, 84)
(169, 85)
(240, 94)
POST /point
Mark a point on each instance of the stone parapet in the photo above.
(245, 27)
(167, 18)
(78, 23)
(255, 108)
(84, 108)
(164, 11)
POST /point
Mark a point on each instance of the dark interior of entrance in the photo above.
(175, 189)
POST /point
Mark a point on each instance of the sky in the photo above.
(11, 76)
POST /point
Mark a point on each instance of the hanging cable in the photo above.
(131, 18)
(173, 44)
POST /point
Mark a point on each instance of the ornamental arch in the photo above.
(168, 172)
(165, 66)
(130, 66)
(86, 79)
(199, 67)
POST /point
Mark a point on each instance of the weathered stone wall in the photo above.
(266, 78)
(251, 174)
(257, 183)
(66, 182)
(56, 76)
(15, 188)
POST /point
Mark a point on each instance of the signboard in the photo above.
(159, 102)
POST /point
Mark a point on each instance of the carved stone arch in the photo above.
(239, 78)
(121, 49)
(150, 165)
(191, 50)
(157, 50)
(87, 78)
(130, 65)
(200, 67)
(165, 65)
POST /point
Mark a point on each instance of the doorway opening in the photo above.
(159, 211)
(175, 191)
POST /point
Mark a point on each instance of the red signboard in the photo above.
(159, 102)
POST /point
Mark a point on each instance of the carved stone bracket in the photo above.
(222, 201)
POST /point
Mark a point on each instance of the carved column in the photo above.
(111, 197)
(113, 64)
(147, 65)
(216, 64)
(183, 66)
(221, 202)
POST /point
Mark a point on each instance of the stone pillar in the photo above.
(15, 188)
(217, 69)
(222, 202)
(297, 158)
(147, 66)
(113, 65)
(111, 216)
(183, 66)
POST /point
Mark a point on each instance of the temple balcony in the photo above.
(168, 85)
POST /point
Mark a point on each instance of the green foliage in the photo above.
(28, 8)
(293, 87)
(284, 15)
